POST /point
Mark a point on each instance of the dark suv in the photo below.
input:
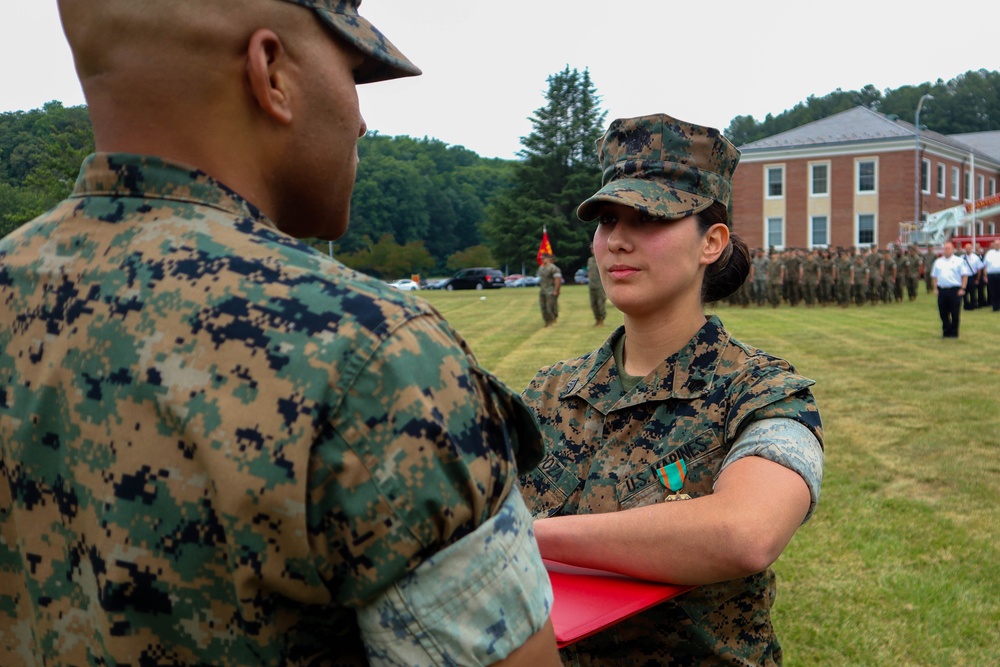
(477, 278)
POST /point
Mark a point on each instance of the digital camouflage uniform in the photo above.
(843, 283)
(603, 446)
(760, 279)
(826, 272)
(744, 295)
(548, 300)
(901, 269)
(219, 447)
(911, 272)
(598, 299)
(859, 280)
(810, 279)
(929, 257)
(888, 278)
(775, 278)
(875, 268)
(793, 278)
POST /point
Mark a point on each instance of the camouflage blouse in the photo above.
(218, 446)
(604, 446)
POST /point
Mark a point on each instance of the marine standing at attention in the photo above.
(674, 452)
(549, 283)
(218, 446)
(598, 299)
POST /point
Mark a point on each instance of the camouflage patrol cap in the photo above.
(663, 167)
(384, 60)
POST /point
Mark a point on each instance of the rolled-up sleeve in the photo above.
(787, 443)
(472, 603)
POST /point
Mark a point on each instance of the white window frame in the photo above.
(812, 179)
(993, 186)
(767, 232)
(993, 228)
(968, 185)
(941, 182)
(857, 176)
(925, 176)
(780, 169)
(812, 227)
(857, 230)
(980, 186)
(955, 190)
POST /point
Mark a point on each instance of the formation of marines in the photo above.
(841, 276)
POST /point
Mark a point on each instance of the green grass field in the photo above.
(901, 563)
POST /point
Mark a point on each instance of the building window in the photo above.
(820, 234)
(980, 186)
(993, 228)
(925, 176)
(866, 176)
(940, 180)
(775, 233)
(993, 186)
(954, 183)
(968, 186)
(820, 179)
(866, 229)
(775, 182)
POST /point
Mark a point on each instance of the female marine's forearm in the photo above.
(739, 530)
(648, 542)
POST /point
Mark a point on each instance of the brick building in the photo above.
(850, 180)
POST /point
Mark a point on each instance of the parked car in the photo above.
(439, 283)
(477, 278)
(526, 281)
(512, 278)
(404, 284)
(581, 277)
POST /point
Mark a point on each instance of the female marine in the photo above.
(674, 452)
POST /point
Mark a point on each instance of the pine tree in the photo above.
(557, 171)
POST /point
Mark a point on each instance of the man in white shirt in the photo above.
(976, 266)
(950, 276)
(992, 263)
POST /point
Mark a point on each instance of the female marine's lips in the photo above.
(621, 270)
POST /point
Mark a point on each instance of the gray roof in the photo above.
(987, 143)
(862, 124)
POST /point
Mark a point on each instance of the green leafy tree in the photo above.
(387, 259)
(968, 103)
(40, 155)
(477, 255)
(558, 170)
(421, 190)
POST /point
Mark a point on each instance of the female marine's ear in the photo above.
(715, 241)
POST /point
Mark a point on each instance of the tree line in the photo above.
(423, 206)
(968, 103)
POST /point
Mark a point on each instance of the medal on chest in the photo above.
(672, 476)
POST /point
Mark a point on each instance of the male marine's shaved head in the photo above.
(157, 43)
(246, 90)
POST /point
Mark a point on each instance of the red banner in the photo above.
(545, 247)
(983, 203)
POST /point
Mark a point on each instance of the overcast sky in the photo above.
(486, 62)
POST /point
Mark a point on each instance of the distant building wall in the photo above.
(844, 206)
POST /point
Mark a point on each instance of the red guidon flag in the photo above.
(544, 248)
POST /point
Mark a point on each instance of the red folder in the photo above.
(587, 601)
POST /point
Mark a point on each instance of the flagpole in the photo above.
(972, 157)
